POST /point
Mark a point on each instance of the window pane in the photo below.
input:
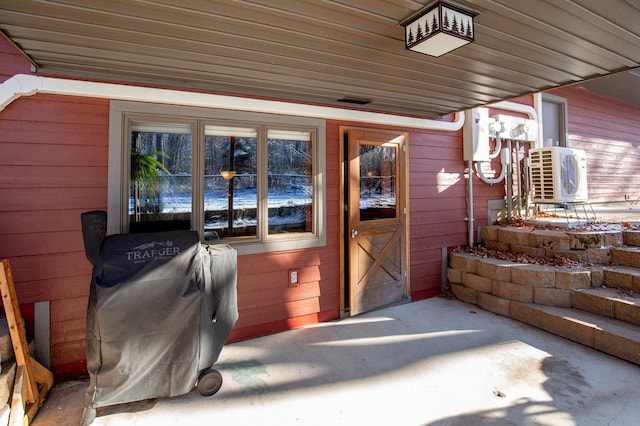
(290, 187)
(551, 114)
(230, 183)
(160, 180)
(377, 182)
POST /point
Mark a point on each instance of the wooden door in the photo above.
(376, 229)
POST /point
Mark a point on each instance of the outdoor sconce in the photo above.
(228, 174)
(438, 29)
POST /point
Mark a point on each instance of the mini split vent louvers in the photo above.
(558, 175)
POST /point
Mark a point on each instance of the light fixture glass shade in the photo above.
(227, 174)
(438, 29)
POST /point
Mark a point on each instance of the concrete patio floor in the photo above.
(431, 362)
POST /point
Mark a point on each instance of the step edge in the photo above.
(589, 319)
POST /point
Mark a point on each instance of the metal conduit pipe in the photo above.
(509, 183)
(470, 219)
(518, 178)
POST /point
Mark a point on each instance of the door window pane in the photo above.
(230, 182)
(290, 184)
(160, 180)
(377, 182)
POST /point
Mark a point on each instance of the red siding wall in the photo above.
(609, 131)
(438, 205)
(13, 62)
(53, 167)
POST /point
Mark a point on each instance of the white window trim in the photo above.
(117, 218)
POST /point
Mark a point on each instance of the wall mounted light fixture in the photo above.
(438, 29)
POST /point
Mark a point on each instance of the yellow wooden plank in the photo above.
(41, 374)
(44, 378)
(16, 330)
(17, 414)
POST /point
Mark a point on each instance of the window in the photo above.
(252, 180)
(160, 189)
(377, 182)
(230, 182)
(554, 120)
(290, 188)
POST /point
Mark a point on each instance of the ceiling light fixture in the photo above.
(438, 29)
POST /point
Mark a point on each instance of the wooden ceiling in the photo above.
(321, 51)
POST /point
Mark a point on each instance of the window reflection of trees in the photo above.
(377, 171)
(163, 192)
(238, 216)
(290, 187)
(377, 182)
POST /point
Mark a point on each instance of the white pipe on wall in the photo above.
(516, 107)
(533, 113)
(504, 158)
(26, 84)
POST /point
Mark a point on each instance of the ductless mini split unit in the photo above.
(558, 175)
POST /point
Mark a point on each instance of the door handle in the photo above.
(354, 232)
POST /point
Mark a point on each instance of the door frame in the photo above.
(343, 208)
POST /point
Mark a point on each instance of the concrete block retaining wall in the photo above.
(473, 278)
(569, 301)
(582, 246)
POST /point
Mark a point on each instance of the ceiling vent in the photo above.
(356, 101)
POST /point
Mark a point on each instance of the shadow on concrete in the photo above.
(432, 362)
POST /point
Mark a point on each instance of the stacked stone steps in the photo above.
(624, 270)
(621, 277)
(598, 306)
(611, 336)
(609, 303)
(626, 256)
(592, 247)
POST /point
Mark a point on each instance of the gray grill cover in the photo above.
(161, 307)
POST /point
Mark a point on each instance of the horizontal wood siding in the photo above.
(52, 168)
(609, 132)
(438, 206)
(13, 61)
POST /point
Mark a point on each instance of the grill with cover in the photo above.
(161, 306)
